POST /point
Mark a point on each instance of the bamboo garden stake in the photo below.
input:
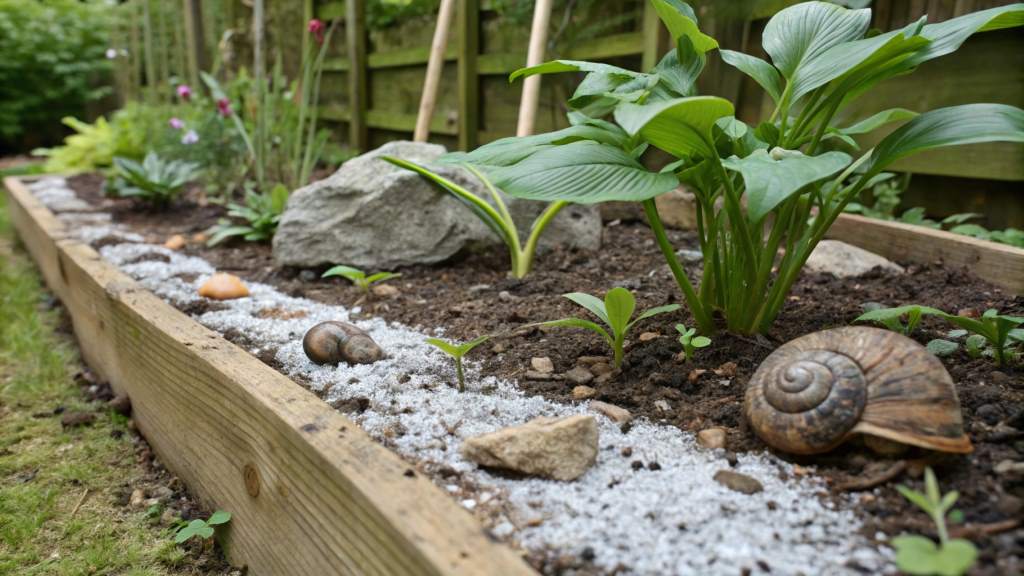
(534, 56)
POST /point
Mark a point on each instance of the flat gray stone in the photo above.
(843, 260)
(557, 448)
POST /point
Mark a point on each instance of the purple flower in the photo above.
(190, 137)
(224, 107)
(176, 123)
(184, 92)
(316, 28)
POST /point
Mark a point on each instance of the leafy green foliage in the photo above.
(91, 146)
(616, 312)
(762, 190)
(53, 55)
(358, 277)
(155, 180)
(202, 529)
(993, 333)
(260, 215)
(496, 217)
(457, 351)
(920, 555)
(690, 341)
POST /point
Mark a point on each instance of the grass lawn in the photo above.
(61, 512)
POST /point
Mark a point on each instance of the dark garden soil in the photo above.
(473, 296)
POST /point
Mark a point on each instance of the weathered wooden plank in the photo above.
(309, 491)
(468, 26)
(355, 38)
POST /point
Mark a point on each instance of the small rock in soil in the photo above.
(615, 413)
(662, 405)
(583, 392)
(712, 438)
(843, 260)
(728, 370)
(77, 419)
(695, 375)
(499, 348)
(542, 376)
(385, 291)
(591, 360)
(648, 336)
(556, 448)
(579, 375)
(506, 296)
(176, 242)
(1009, 467)
(542, 364)
(137, 499)
(308, 276)
(989, 413)
(121, 404)
(223, 286)
(601, 368)
(738, 482)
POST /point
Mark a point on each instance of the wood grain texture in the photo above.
(310, 492)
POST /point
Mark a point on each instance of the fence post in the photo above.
(468, 85)
(653, 33)
(355, 36)
(195, 38)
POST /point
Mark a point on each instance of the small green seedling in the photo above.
(202, 529)
(359, 278)
(919, 555)
(892, 318)
(615, 312)
(457, 351)
(690, 341)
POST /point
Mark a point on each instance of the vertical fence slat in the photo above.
(468, 85)
(195, 38)
(355, 36)
(652, 35)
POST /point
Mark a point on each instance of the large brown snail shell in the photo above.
(334, 342)
(814, 392)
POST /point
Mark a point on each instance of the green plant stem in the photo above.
(526, 257)
(459, 375)
(700, 313)
(617, 351)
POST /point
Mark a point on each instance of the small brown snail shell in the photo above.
(334, 342)
(814, 392)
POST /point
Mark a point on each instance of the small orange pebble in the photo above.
(176, 242)
(223, 286)
(200, 238)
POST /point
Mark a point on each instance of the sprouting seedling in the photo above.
(616, 312)
(359, 278)
(202, 529)
(690, 341)
(920, 555)
(457, 351)
(892, 318)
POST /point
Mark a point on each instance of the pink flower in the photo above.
(184, 92)
(316, 28)
(176, 123)
(224, 107)
(190, 137)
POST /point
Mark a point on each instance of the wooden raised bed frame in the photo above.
(309, 491)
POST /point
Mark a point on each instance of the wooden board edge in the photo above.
(999, 264)
(310, 492)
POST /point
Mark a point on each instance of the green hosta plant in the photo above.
(920, 555)
(359, 278)
(763, 190)
(616, 311)
(154, 180)
(202, 529)
(690, 341)
(496, 217)
(259, 216)
(457, 351)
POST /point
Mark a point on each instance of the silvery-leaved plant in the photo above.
(761, 190)
(616, 311)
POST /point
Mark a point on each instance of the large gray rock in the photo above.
(372, 214)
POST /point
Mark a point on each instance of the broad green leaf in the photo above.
(931, 487)
(592, 303)
(508, 151)
(580, 323)
(679, 69)
(769, 182)
(956, 557)
(655, 311)
(762, 72)
(947, 36)
(801, 33)
(278, 198)
(681, 21)
(194, 528)
(620, 304)
(680, 127)
(346, 271)
(878, 120)
(449, 349)
(949, 499)
(952, 126)
(582, 172)
(219, 517)
(884, 314)
(916, 555)
(558, 66)
(700, 342)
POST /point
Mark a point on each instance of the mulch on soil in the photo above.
(472, 296)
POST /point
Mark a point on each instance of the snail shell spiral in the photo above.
(812, 393)
(334, 342)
